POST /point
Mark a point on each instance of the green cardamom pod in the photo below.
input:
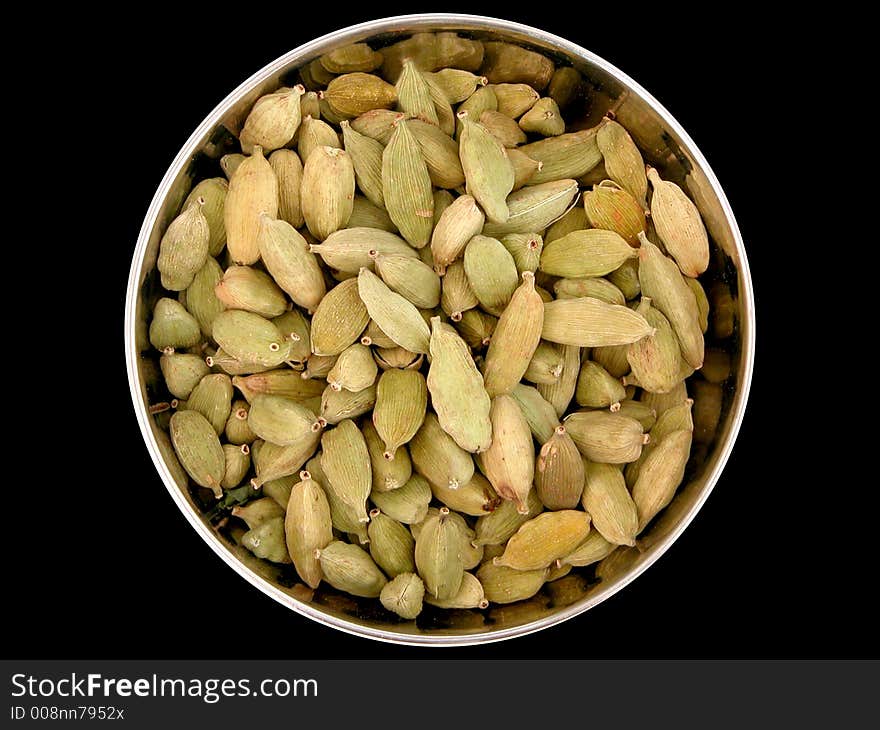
(406, 186)
(487, 169)
(509, 462)
(250, 289)
(559, 472)
(267, 541)
(173, 327)
(391, 544)
(404, 595)
(213, 192)
(198, 449)
(407, 504)
(273, 120)
(253, 191)
(184, 247)
(608, 501)
(623, 161)
(349, 568)
(606, 437)
(438, 555)
(437, 457)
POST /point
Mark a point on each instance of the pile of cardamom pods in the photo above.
(450, 337)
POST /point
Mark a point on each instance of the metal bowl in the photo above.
(664, 144)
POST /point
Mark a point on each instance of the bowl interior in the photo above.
(664, 145)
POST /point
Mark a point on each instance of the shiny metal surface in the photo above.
(665, 144)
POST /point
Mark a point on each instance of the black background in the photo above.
(102, 562)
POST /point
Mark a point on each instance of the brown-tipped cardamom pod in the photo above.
(198, 449)
(353, 370)
(388, 474)
(401, 403)
(679, 225)
(509, 462)
(366, 156)
(535, 207)
(250, 338)
(288, 170)
(610, 207)
(543, 118)
(243, 287)
(213, 192)
(457, 391)
(487, 169)
(559, 472)
(346, 465)
(597, 388)
(504, 521)
(545, 538)
(438, 555)
(351, 58)
(565, 156)
(404, 595)
(349, 249)
(339, 319)
(173, 327)
(406, 186)
(589, 322)
(506, 585)
(253, 191)
(184, 247)
(327, 191)
(593, 252)
(201, 300)
(337, 405)
(491, 272)
(662, 281)
(182, 372)
(415, 281)
(391, 545)
(280, 420)
(283, 382)
(509, 63)
(355, 93)
(349, 568)
(273, 120)
(237, 430)
(514, 100)
(407, 504)
(515, 339)
(458, 224)
(660, 474)
(623, 161)
(437, 457)
(307, 527)
(476, 498)
(456, 84)
(396, 316)
(456, 295)
(212, 397)
(606, 437)
(608, 501)
(288, 259)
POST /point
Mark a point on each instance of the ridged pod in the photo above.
(656, 360)
(438, 555)
(339, 319)
(560, 393)
(660, 474)
(487, 169)
(327, 191)
(250, 338)
(623, 161)
(589, 322)
(212, 397)
(509, 462)
(253, 191)
(243, 287)
(397, 317)
(315, 133)
(391, 544)
(198, 449)
(525, 248)
(414, 94)
(606, 437)
(282, 382)
(280, 420)
(337, 405)
(679, 225)
(346, 465)
(539, 414)
(288, 169)
(476, 327)
(503, 128)
(407, 504)
(544, 539)
(288, 259)
(354, 93)
(612, 208)
(470, 595)
(663, 282)
(414, 280)
(184, 247)
(440, 152)
(589, 287)
(349, 568)
(491, 272)
(237, 430)
(506, 585)
(510, 63)
(349, 249)
(274, 462)
(213, 192)
(353, 370)
(515, 339)
(350, 58)
(457, 391)
(543, 118)
(388, 474)
(593, 252)
(565, 156)
(404, 595)
(535, 207)
(475, 498)
(514, 100)
(258, 511)
(559, 472)
(182, 372)
(457, 84)
(608, 501)
(366, 156)
(406, 186)
(401, 403)
(524, 167)
(267, 541)
(307, 528)
(458, 224)
(590, 551)
(201, 300)
(456, 295)
(437, 457)
(597, 388)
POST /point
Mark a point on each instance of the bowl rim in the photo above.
(414, 23)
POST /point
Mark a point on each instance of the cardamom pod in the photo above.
(349, 249)
(539, 414)
(349, 568)
(183, 249)
(593, 252)
(568, 155)
(391, 544)
(525, 248)
(238, 462)
(267, 541)
(258, 511)
(351, 58)
(506, 585)
(491, 272)
(503, 128)
(437, 457)
(273, 120)
(407, 504)
(458, 224)
(346, 464)
(353, 370)
(327, 191)
(250, 338)
(284, 382)
(440, 152)
(198, 449)
(401, 403)
(589, 322)
(560, 393)
(590, 551)
(173, 327)
(212, 397)
(456, 84)
(509, 462)
(213, 192)
(337, 405)
(255, 291)
(281, 421)
(575, 219)
(476, 498)
(414, 94)
(307, 527)
(679, 225)
(596, 388)
(544, 539)
(406, 186)
(237, 429)
(543, 118)
(397, 317)
(388, 474)
(535, 207)
(413, 280)
(510, 63)
(487, 169)
(608, 501)
(438, 555)
(404, 595)
(355, 93)
(612, 208)
(201, 301)
(606, 437)
(660, 474)
(288, 169)
(470, 595)
(366, 156)
(253, 190)
(456, 295)
(623, 161)
(559, 472)
(182, 372)
(339, 319)
(589, 287)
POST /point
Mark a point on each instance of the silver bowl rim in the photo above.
(412, 23)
